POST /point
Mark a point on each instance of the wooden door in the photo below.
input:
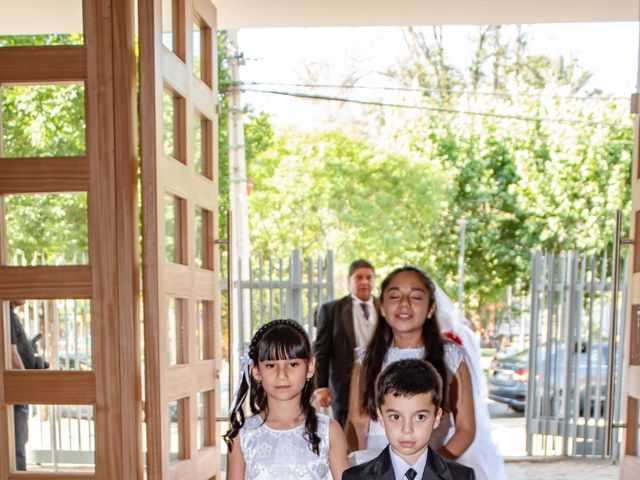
(102, 65)
(178, 101)
(630, 464)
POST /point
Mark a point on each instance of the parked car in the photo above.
(509, 376)
(508, 380)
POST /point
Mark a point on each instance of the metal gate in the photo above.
(269, 288)
(571, 310)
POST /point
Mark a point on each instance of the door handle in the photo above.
(617, 244)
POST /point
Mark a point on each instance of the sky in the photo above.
(330, 55)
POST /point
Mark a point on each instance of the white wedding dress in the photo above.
(482, 455)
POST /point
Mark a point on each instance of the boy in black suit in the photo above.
(409, 398)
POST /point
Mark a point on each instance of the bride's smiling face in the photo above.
(406, 303)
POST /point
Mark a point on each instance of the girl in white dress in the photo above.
(408, 328)
(285, 438)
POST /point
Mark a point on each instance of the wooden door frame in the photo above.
(630, 462)
(106, 65)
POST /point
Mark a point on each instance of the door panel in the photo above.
(108, 279)
(630, 464)
(179, 192)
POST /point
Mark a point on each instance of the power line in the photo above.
(439, 90)
(433, 109)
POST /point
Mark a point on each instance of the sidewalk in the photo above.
(561, 469)
(508, 432)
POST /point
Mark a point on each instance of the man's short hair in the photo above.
(407, 378)
(360, 263)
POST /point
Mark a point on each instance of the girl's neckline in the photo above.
(283, 430)
(407, 348)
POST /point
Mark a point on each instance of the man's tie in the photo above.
(411, 474)
(365, 310)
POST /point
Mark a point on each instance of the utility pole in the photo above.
(462, 223)
(238, 189)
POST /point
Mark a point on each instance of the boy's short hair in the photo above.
(407, 378)
(360, 263)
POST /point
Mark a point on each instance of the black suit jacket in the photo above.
(437, 468)
(334, 352)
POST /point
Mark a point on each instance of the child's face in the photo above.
(406, 303)
(284, 379)
(408, 423)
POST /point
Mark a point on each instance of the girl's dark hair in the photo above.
(382, 339)
(276, 340)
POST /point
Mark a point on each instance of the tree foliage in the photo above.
(258, 133)
(44, 120)
(520, 174)
(327, 190)
(551, 176)
(545, 166)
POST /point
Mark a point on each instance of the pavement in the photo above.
(509, 434)
(561, 469)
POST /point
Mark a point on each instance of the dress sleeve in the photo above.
(453, 356)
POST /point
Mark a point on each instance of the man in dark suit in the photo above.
(408, 400)
(342, 326)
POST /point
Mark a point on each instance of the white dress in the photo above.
(283, 454)
(482, 455)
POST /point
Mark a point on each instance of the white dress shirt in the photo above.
(400, 466)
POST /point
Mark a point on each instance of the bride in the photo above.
(466, 436)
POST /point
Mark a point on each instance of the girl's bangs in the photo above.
(282, 344)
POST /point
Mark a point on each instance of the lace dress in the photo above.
(283, 454)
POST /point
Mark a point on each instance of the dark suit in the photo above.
(334, 352)
(437, 468)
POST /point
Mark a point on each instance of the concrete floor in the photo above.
(508, 432)
(561, 469)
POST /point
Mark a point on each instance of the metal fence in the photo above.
(275, 289)
(59, 435)
(567, 400)
(272, 287)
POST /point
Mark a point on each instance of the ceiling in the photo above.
(55, 16)
(315, 13)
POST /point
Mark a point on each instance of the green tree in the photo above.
(535, 181)
(323, 191)
(258, 132)
(44, 120)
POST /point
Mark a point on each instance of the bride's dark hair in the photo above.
(276, 340)
(382, 339)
